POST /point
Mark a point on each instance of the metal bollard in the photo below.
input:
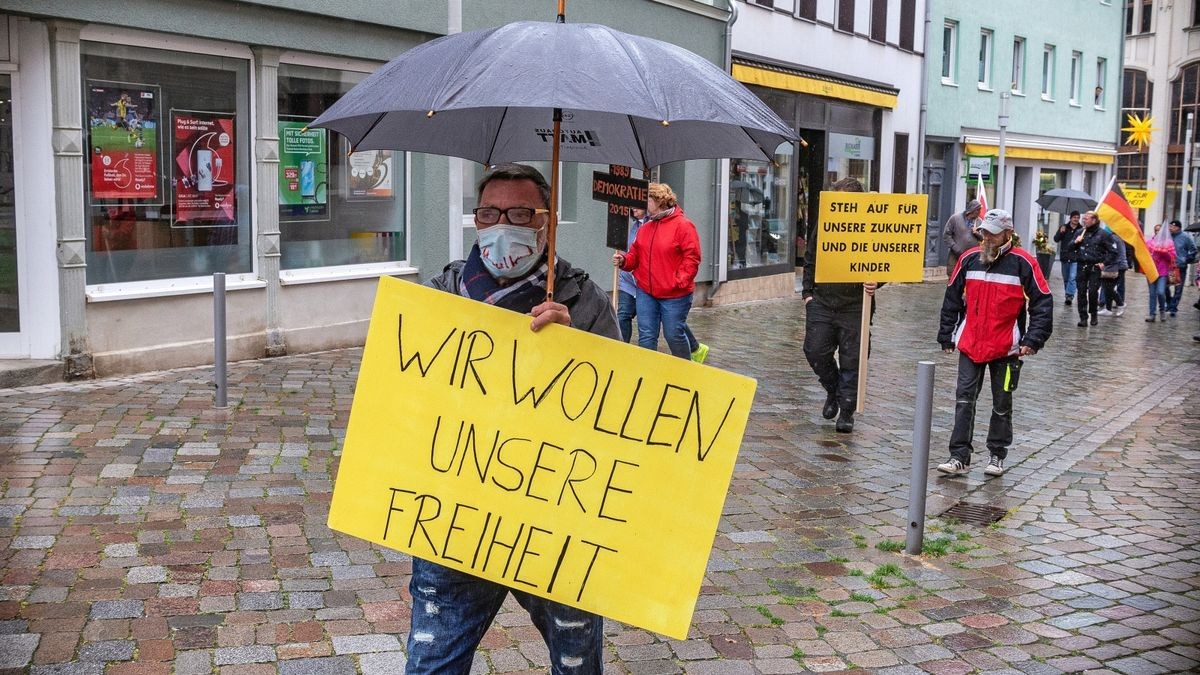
(922, 421)
(219, 379)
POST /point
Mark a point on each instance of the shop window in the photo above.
(760, 218)
(335, 207)
(10, 315)
(167, 176)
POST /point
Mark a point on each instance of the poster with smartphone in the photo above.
(203, 169)
(368, 175)
(123, 123)
(303, 171)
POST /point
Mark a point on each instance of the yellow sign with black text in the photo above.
(1139, 199)
(870, 237)
(567, 465)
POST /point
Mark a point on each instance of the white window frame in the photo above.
(950, 53)
(1076, 78)
(1101, 80)
(987, 41)
(1048, 58)
(1017, 86)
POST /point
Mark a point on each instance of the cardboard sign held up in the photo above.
(621, 192)
(560, 463)
(870, 237)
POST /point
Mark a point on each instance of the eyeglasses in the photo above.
(517, 215)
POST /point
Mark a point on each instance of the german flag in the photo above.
(1116, 212)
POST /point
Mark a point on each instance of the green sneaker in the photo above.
(701, 353)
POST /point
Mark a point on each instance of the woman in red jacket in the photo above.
(663, 259)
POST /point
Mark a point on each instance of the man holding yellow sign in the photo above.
(507, 268)
(582, 475)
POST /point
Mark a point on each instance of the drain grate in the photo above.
(976, 514)
(832, 457)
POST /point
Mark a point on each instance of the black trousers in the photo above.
(966, 395)
(1088, 281)
(827, 331)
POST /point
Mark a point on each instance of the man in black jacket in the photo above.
(833, 322)
(1065, 235)
(1093, 248)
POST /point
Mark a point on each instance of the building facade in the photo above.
(146, 146)
(1162, 78)
(1055, 64)
(846, 74)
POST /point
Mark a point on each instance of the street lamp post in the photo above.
(1002, 120)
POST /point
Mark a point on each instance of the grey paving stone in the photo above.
(117, 609)
(16, 649)
(333, 665)
(363, 644)
(382, 663)
(111, 650)
(226, 656)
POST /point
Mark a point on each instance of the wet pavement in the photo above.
(141, 531)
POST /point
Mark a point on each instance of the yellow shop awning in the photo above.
(1017, 152)
(817, 85)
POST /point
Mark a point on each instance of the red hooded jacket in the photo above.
(665, 256)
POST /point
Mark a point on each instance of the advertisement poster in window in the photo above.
(203, 169)
(303, 171)
(368, 175)
(123, 140)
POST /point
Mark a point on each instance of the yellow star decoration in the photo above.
(1139, 130)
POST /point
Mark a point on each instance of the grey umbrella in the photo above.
(1066, 200)
(555, 91)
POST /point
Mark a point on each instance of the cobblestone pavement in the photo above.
(142, 531)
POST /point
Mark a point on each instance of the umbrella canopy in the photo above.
(1066, 200)
(1194, 227)
(489, 95)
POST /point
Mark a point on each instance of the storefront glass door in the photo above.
(10, 312)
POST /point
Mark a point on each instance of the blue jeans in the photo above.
(1068, 271)
(1175, 294)
(626, 310)
(671, 315)
(1158, 295)
(452, 610)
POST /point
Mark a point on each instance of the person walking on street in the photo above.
(833, 322)
(959, 235)
(1067, 232)
(627, 291)
(1094, 249)
(1162, 252)
(664, 259)
(1185, 254)
(994, 292)
(1112, 287)
(507, 268)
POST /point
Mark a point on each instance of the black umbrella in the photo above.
(1066, 200)
(556, 91)
(1194, 227)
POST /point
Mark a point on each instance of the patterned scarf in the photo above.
(520, 296)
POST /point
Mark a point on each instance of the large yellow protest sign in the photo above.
(560, 463)
(870, 237)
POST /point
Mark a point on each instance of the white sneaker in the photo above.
(1104, 312)
(953, 467)
(995, 466)
(1120, 310)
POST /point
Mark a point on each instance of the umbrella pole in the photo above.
(552, 230)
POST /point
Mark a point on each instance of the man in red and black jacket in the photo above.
(995, 290)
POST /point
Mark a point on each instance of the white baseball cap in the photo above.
(997, 221)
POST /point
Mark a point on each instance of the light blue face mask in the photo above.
(509, 251)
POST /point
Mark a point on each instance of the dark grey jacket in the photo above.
(591, 309)
(958, 238)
